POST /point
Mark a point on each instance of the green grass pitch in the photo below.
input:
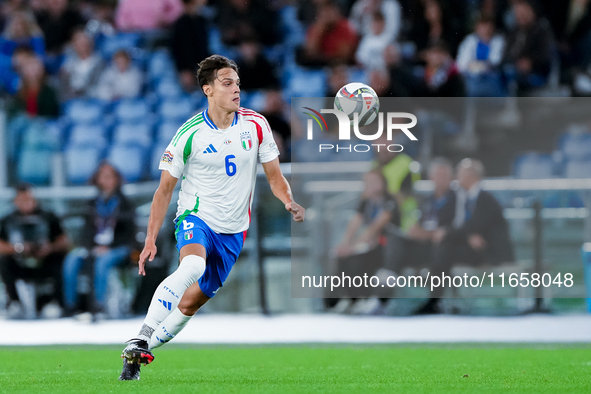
(408, 368)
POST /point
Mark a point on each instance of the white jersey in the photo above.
(219, 167)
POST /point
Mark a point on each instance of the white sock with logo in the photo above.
(169, 328)
(169, 293)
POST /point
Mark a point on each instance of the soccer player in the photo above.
(216, 154)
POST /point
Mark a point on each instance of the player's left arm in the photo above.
(281, 189)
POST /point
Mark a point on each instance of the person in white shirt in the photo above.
(81, 69)
(370, 53)
(362, 14)
(121, 80)
(479, 57)
(215, 153)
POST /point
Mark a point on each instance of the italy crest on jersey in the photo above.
(246, 140)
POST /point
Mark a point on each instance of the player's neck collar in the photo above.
(212, 125)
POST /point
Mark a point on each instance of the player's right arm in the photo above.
(160, 204)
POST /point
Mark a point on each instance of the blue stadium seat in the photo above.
(42, 135)
(578, 169)
(301, 82)
(294, 33)
(108, 45)
(83, 136)
(533, 166)
(166, 131)
(81, 162)
(132, 110)
(84, 111)
(159, 65)
(156, 156)
(179, 109)
(129, 160)
(576, 146)
(133, 134)
(358, 75)
(34, 166)
(168, 88)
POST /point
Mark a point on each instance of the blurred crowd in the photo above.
(54, 52)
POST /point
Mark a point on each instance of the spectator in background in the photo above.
(441, 77)
(432, 24)
(7, 7)
(81, 69)
(274, 111)
(437, 212)
(142, 15)
(479, 235)
(479, 58)
(35, 96)
(102, 18)
(338, 76)
(529, 47)
(247, 18)
(373, 44)
(571, 23)
(58, 21)
(331, 39)
(120, 80)
(363, 254)
(109, 235)
(396, 168)
(22, 31)
(32, 247)
(256, 72)
(189, 42)
(363, 15)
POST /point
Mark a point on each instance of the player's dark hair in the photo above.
(94, 178)
(23, 187)
(209, 67)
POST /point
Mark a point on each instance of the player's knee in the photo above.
(192, 267)
(189, 307)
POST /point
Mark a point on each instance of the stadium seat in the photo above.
(533, 166)
(34, 166)
(578, 169)
(178, 110)
(84, 111)
(157, 152)
(42, 135)
(129, 160)
(576, 145)
(131, 110)
(216, 45)
(168, 88)
(81, 163)
(108, 45)
(301, 82)
(166, 131)
(358, 75)
(159, 65)
(83, 136)
(294, 33)
(133, 134)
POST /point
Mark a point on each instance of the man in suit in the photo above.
(437, 211)
(479, 234)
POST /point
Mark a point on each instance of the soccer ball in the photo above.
(358, 97)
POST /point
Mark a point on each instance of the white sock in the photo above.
(169, 293)
(169, 328)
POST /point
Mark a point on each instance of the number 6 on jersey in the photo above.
(230, 167)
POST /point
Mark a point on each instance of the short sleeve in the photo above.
(177, 152)
(268, 150)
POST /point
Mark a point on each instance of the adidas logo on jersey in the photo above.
(210, 149)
